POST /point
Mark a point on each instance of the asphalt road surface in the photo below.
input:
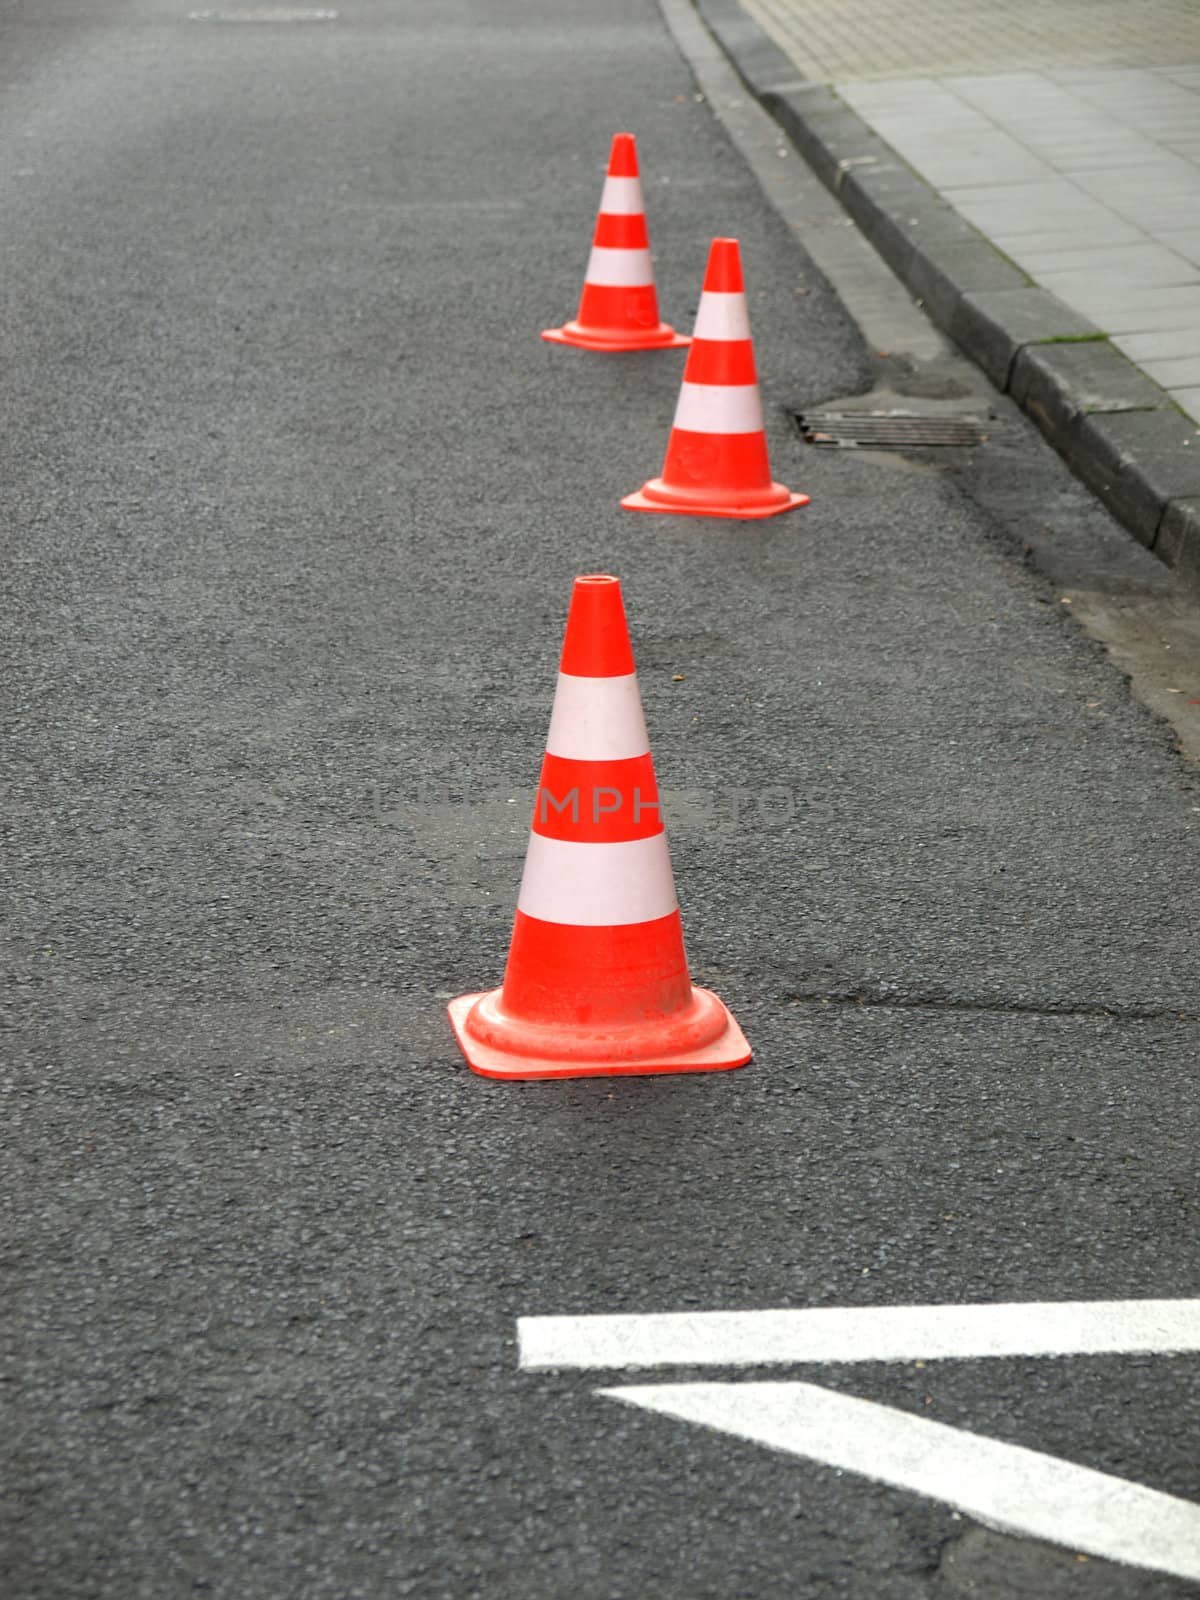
(291, 501)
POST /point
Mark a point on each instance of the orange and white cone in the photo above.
(716, 463)
(619, 307)
(597, 980)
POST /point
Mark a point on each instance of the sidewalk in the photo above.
(1069, 137)
(1088, 180)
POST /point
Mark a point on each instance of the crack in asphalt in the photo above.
(880, 1000)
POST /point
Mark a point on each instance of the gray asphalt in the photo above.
(292, 499)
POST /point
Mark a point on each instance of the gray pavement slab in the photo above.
(1095, 170)
(1074, 181)
(1086, 42)
(293, 501)
(1082, 170)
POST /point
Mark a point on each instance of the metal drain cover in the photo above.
(885, 430)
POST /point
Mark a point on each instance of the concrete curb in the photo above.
(1119, 432)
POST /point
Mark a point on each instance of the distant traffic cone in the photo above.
(619, 308)
(716, 463)
(597, 981)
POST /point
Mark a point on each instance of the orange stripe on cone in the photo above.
(716, 462)
(597, 802)
(597, 979)
(618, 309)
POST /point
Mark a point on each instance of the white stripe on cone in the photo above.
(597, 719)
(719, 408)
(619, 269)
(721, 316)
(622, 197)
(597, 885)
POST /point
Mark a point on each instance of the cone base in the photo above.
(663, 337)
(660, 497)
(729, 1049)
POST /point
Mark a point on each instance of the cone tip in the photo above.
(622, 160)
(596, 643)
(724, 272)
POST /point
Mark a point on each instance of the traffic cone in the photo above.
(716, 463)
(619, 308)
(597, 980)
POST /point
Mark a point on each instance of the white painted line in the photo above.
(1004, 1485)
(265, 14)
(597, 885)
(597, 719)
(619, 269)
(719, 408)
(873, 1333)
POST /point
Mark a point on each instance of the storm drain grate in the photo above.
(885, 430)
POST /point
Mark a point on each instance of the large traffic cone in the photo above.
(619, 308)
(597, 980)
(716, 463)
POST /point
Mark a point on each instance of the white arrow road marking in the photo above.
(873, 1333)
(1007, 1486)
(1004, 1485)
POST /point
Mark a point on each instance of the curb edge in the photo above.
(1119, 432)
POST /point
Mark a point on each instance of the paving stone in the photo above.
(1093, 235)
(1177, 373)
(1010, 211)
(1128, 308)
(903, 92)
(1002, 89)
(1189, 400)
(1118, 302)
(1186, 243)
(1107, 79)
(1161, 345)
(1030, 198)
(1153, 217)
(1171, 176)
(873, 39)
(1090, 157)
(1143, 263)
(920, 122)
(1165, 129)
(986, 158)
(1141, 322)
